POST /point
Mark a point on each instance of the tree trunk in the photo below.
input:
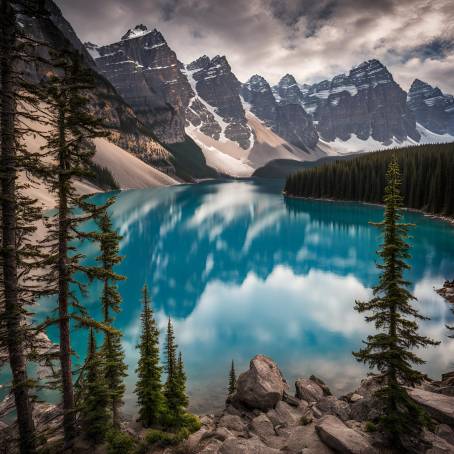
(13, 313)
(69, 420)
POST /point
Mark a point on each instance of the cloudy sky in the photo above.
(312, 39)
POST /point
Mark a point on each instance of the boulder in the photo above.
(335, 434)
(304, 439)
(445, 432)
(262, 386)
(232, 422)
(308, 390)
(330, 405)
(439, 406)
(245, 446)
(322, 385)
(355, 397)
(262, 426)
(285, 415)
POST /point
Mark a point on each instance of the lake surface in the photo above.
(242, 271)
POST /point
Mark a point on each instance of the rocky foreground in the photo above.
(264, 417)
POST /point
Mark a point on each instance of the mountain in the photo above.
(148, 76)
(285, 117)
(216, 107)
(431, 108)
(126, 130)
(366, 103)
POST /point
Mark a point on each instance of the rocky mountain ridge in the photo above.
(431, 107)
(366, 103)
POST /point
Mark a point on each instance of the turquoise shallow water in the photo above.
(243, 271)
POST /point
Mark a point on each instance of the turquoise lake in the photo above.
(241, 270)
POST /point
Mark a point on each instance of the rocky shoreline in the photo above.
(265, 417)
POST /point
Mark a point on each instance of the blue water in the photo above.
(243, 271)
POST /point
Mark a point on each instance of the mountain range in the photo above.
(198, 120)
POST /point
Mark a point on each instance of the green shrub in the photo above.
(119, 443)
(155, 436)
(370, 427)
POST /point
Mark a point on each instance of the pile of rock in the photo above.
(263, 417)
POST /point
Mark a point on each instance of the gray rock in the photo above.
(285, 415)
(322, 385)
(334, 433)
(445, 432)
(440, 407)
(212, 447)
(355, 397)
(308, 390)
(262, 386)
(245, 446)
(438, 445)
(332, 406)
(305, 439)
(232, 422)
(262, 426)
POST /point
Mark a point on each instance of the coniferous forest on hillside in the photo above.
(427, 178)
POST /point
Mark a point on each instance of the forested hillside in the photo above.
(427, 178)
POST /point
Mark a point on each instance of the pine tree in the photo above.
(171, 390)
(18, 212)
(94, 418)
(72, 126)
(232, 379)
(396, 320)
(149, 387)
(114, 357)
(181, 383)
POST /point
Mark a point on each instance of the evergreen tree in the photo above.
(391, 350)
(181, 383)
(94, 418)
(232, 379)
(17, 212)
(426, 178)
(171, 390)
(149, 387)
(114, 357)
(69, 149)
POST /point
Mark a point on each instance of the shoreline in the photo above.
(437, 217)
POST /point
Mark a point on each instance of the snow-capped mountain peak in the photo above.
(137, 31)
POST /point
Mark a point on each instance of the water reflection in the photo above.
(243, 271)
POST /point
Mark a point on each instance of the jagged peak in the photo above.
(288, 79)
(257, 83)
(199, 63)
(418, 84)
(139, 31)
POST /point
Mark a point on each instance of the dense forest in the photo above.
(427, 178)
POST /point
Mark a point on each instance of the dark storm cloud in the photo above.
(437, 49)
(311, 39)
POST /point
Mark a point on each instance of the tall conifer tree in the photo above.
(72, 126)
(94, 418)
(232, 379)
(181, 383)
(114, 357)
(18, 212)
(391, 350)
(171, 367)
(149, 387)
